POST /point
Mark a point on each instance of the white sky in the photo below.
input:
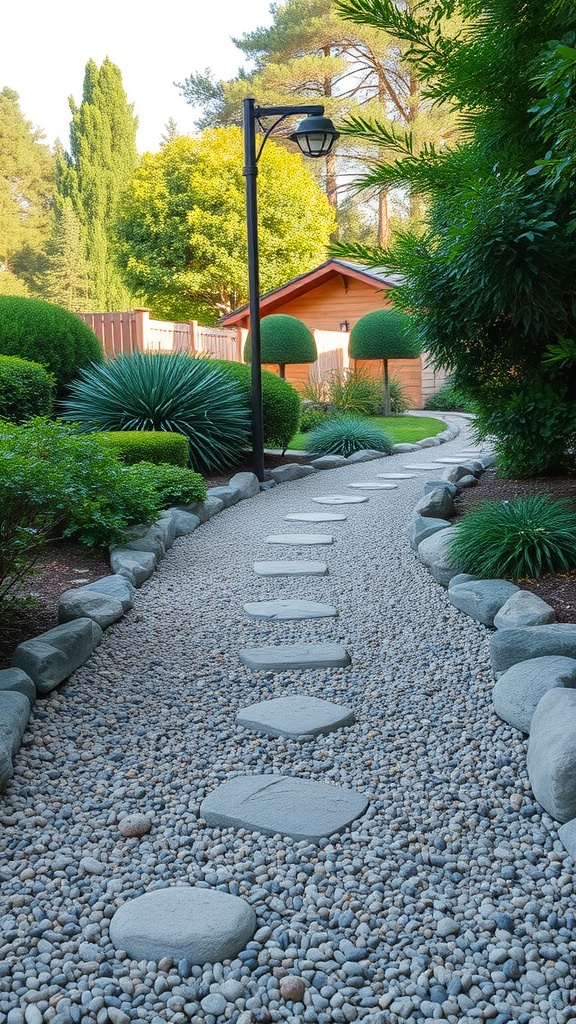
(45, 45)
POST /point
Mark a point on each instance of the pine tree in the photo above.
(94, 174)
(66, 280)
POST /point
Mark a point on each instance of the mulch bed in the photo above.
(558, 591)
(66, 564)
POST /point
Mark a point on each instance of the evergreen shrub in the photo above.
(47, 334)
(280, 402)
(517, 539)
(311, 418)
(344, 435)
(174, 485)
(26, 389)
(448, 398)
(284, 339)
(157, 446)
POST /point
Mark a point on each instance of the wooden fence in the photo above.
(134, 331)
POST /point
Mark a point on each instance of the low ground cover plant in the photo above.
(344, 435)
(523, 538)
(170, 392)
(26, 389)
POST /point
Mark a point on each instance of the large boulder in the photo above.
(53, 656)
(552, 753)
(481, 599)
(17, 681)
(437, 504)
(432, 485)
(329, 462)
(14, 715)
(509, 646)
(81, 603)
(247, 483)
(454, 474)
(524, 609)
(366, 455)
(136, 566)
(204, 510)
(436, 553)
(228, 494)
(518, 691)
(184, 522)
(292, 471)
(118, 587)
(420, 528)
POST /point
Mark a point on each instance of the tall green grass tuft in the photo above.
(517, 539)
(344, 435)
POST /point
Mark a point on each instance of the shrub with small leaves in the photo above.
(26, 389)
(311, 418)
(280, 402)
(522, 538)
(157, 446)
(174, 485)
(448, 398)
(344, 435)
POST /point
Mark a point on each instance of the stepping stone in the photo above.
(315, 517)
(295, 716)
(282, 657)
(422, 465)
(339, 499)
(395, 476)
(373, 485)
(273, 804)
(300, 538)
(277, 611)
(291, 568)
(185, 923)
(451, 460)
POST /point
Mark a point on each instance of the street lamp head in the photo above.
(315, 136)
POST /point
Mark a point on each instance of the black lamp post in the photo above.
(315, 137)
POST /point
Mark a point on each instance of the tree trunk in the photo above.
(383, 220)
(386, 389)
(282, 370)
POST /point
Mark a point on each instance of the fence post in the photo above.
(141, 318)
(193, 336)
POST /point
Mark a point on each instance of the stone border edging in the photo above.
(43, 662)
(533, 657)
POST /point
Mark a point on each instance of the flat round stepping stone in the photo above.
(453, 460)
(282, 657)
(315, 517)
(423, 465)
(277, 611)
(300, 538)
(339, 499)
(295, 716)
(185, 923)
(291, 568)
(374, 485)
(395, 476)
(273, 804)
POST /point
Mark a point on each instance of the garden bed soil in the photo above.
(559, 591)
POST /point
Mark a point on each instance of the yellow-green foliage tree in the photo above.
(182, 231)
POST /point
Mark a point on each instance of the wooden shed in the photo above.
(330, 299)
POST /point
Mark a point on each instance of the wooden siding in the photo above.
(408, 372)
(338, 300)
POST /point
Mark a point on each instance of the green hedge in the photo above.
(174, 485)
(26, 389)
(280, 402)
(47, 334)
(158, 447)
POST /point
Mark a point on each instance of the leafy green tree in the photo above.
(384, 334)
(66, 279)
(492, 282)
(94, 174)
(284, 339)
(182, 233)
(26, 190)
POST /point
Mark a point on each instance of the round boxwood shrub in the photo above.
(344, 435)
(157, 446)
(284, 339)
(384, 334)
(174, 485)
(159, 391)
(280, 402)
(26, 389)
(47, 334)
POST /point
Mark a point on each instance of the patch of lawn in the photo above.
(402, 428)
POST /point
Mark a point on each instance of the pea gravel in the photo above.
(451, 900)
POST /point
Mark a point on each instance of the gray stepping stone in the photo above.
(422, 465)
(291, 568)
(273, 804)
(300, 538)
(185, 923)
(282, 657)
(340, 499)
(374, 485)
(276, 611)
(315, 517)
(395, 476)
(294, 716)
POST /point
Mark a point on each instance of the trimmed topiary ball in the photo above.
(344, 435)
(517, 539)
(284, 339)
(165, 391)
(280, 402)
(47, 334)
(26, 390)
(384, 334)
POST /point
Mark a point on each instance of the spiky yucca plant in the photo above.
(172, 392)
(344, 435)
(517, 539)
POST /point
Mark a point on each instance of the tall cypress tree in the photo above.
(94, 174)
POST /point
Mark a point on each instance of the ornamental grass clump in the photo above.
(344, 435)
(170, 392)
(517, 539)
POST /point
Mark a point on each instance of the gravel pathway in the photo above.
(450, 900)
